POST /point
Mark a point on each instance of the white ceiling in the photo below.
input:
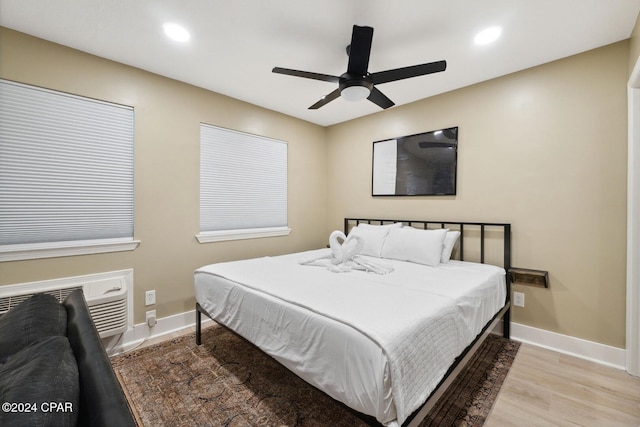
(235, 44)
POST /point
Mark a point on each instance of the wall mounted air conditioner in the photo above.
(107, 296)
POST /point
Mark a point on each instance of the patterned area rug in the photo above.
(228, 382)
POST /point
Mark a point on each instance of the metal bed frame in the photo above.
(461, 361)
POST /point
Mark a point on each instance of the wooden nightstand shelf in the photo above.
(527, 276)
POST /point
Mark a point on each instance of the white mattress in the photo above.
(378, 343)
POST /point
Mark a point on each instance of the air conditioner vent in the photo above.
(7, 303)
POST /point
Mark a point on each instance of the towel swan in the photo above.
(344, 256)
(345, 251)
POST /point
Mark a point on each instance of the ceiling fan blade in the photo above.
(306, 74)
(360, 50)
(325, 99)
(380, 99)
(408, 72)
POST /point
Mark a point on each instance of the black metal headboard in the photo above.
(463, 227)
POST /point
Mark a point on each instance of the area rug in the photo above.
(229, 382)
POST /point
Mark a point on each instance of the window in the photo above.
(243, 185)
(66, 174)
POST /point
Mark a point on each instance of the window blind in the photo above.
(66, 167)
(243, 180)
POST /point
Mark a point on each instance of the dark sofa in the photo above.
(54, 370)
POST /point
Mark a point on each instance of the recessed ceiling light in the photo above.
(487, 36)
(176, 32)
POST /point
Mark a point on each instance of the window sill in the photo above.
(249, 233)
(61, 249)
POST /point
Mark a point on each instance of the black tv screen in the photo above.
(423, 164)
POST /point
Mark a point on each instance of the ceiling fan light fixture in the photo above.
(355, 93)
(355, 88)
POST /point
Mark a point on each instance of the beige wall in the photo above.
(544, 149)
(167, 117)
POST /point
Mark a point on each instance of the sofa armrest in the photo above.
(102, 401)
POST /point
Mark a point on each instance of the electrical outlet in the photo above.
(518, 299)
(151, 318)
(149, 297)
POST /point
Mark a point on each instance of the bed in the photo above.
(386, 343)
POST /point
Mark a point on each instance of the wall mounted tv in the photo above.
(416, 165)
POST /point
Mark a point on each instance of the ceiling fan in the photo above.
(357, 83)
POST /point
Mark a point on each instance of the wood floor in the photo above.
(546, 388)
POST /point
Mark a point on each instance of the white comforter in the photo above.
(421, 317)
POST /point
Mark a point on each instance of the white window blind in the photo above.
(66, 169)
(243, 185)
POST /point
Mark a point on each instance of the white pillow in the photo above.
(411, 244)
(450, 240)
(373, 236)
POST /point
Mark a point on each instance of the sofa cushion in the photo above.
(43, 375)
(39, 316)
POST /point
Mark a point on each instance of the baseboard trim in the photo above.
(141, 332)
(589, 350)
